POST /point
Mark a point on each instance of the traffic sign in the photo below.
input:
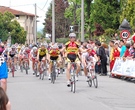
(125, 34)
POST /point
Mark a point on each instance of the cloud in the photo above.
(28, 6)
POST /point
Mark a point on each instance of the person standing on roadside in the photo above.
(103, 58)
(123, 48)
(111, 55)
(3, 71)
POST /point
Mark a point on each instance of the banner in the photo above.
(124, 68)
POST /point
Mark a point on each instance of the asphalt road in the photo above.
(27, 92)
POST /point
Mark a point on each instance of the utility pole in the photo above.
(35, 25)
(82, 20)
(53, 21)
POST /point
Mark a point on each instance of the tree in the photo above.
(8, 25)
(99, 30)
(106, 13)
(61, 24)
(128, 12)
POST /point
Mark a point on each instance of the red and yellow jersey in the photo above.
(54, 52)
(72, 47)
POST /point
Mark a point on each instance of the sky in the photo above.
(28, 6)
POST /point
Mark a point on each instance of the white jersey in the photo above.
(33, 54)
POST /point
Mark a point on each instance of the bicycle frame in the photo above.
(73, 72)
(25, 65)
(42, 70)
(35, 68)
(92, 75)
(53, 74)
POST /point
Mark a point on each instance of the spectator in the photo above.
(102, 56)
(123, 48)
(112, 54)
(3, 71)
(132, 50)
(127, 52)
(4, 101)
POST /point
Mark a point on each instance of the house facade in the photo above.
(26, 20)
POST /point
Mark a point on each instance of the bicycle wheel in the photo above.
(90, 82)
(74, 84)
(44, 74)
(53, 75)
(61, 70)
(21, 68)
(71, 85)
(53, 78)
(95, 81)
(26, 68)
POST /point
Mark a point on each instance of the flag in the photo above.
(3, 71)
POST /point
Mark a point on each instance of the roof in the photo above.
(3, 9)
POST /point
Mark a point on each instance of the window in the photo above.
(17, 16)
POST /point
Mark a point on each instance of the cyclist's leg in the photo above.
(33, 62)
(84, 65)
(68, 76)
(39, 63)
(78, 66)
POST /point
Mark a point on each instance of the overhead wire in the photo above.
(45, 5)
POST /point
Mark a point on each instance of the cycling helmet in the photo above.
(34, 49)
(42, 44)
(72, 35)
(60, 46)
(55, 46)
(13, 47)
(26, 48)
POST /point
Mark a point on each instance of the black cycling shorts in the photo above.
(53, 58)
(12, 55)
(72, 57)
(41, 57)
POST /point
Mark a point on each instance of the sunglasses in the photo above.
(72, 37)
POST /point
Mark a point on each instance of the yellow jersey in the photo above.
(42, 52)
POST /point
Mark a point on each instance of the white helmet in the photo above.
(55, 46)
(72, 35)
(34, 49)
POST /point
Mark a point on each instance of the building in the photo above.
(26, 20)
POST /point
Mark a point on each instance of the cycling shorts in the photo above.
(41, 57)
(53, 58)
(72, 58)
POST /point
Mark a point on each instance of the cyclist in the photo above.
(90, 57)
(42, 55)
(33, 56)
(20, 56)
(25, 55)
(84, 53)
(72, 54)
(12, 53)
(54, 54)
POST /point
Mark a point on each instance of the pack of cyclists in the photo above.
(72, 51)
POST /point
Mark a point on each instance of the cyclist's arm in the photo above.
(63, 49)
(95, 56)
(83, 50)
(38, 55)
